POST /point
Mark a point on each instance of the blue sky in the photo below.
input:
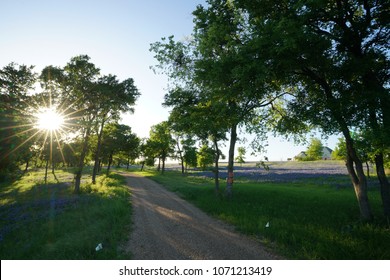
(116, 34)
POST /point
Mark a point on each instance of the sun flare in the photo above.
(49, 119)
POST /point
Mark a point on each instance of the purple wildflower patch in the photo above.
(17, 214)
(317, 172)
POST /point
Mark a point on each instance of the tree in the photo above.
(189, 156)
(117, 138)
(241, 155)
(340, 151)
(315, 149)
(161, 142)
(80, 77)
(194, 115)
(16, 129)
(113, 97)
(91, 101)
(332, 56)
(223, 68)
(212, 71)
(148, 153)
(131, 149)
(205, 156)
(364, 148)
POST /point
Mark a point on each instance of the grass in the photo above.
(48, 221)
(307, 220)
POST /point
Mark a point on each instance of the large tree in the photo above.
(112, 98)
(16, 127)
(197, 117)
(224, 68)
(90, 101)
(161, 142)
(80, 92)
(216, 67)
(333, 57)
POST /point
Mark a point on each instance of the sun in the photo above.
(49, 119)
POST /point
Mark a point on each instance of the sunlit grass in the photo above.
(48, 221)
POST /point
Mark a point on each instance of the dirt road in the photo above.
(165, 227)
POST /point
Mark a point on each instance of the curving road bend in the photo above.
(166, 227)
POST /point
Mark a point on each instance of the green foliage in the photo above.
(86, 100)
(119, 138)
(214, 87)
(314, 151)
(332, 58)
(241, 155)
(190, 156)
(160, 143)
(340, 151)
(15, 83)
(205, 157)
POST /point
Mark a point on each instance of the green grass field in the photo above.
(306, 220)
(48, 221)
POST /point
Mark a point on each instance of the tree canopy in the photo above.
(328, 59)
(77, 94)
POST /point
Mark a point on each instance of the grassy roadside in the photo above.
(39, 221)
(307, 221)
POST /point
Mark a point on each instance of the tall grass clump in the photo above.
(49, 221)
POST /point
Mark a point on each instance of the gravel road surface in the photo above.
(165, 227)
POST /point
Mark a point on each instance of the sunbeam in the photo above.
(49, 119)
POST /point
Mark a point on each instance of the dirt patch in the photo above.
(168, 228)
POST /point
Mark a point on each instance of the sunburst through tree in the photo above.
(52, 125)
(49, 119)
(41, 127)
(44, 116)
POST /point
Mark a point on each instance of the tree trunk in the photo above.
(354, 164)
(52, 167)
(180, 156)
(216, 166)
(159, 165)
(384, 184)
(46, 168)
(379, 100)
(97, 154)
(233, 140)
(81, 162)
(163, 165)
(368, 169)
(27, 163)
(359, 181)
(109, 162)
(53, 171)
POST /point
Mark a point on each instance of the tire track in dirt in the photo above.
(166, 227)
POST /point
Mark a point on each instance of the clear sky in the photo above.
(116, 34)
